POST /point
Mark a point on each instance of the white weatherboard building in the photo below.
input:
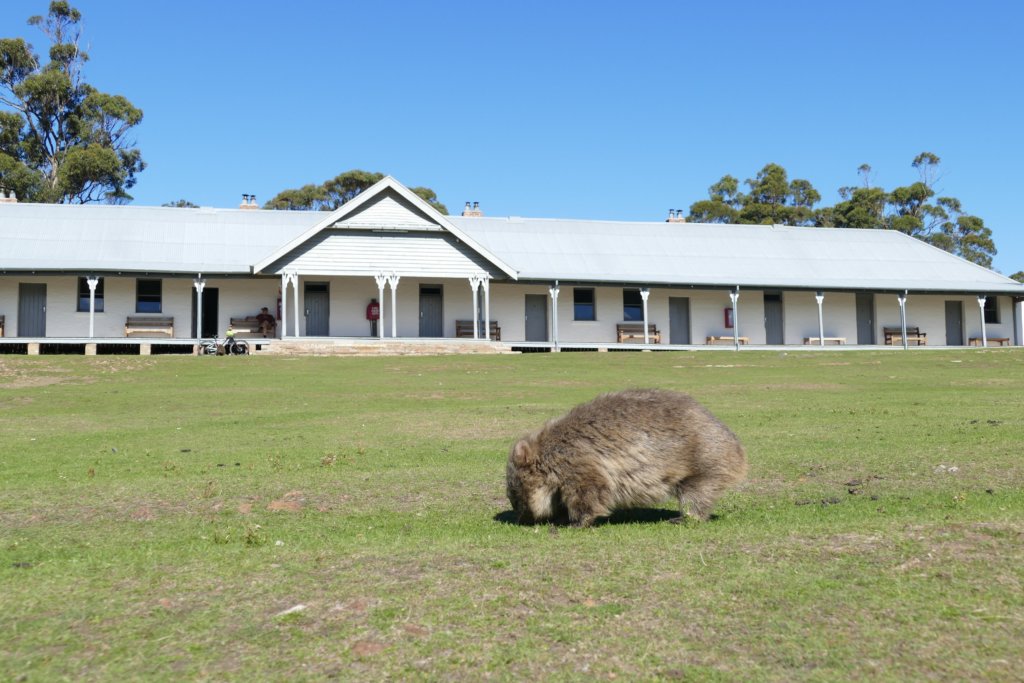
(92, 275)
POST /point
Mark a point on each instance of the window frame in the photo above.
(577, 304)
(157, 299)
(632, 311)
(83, 295)
(991, 311)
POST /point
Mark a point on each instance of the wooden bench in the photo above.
(148, 324)
(894, 335)
(249, 324)
(827, 340)
(723, 339)
(1, 325)
(635, 332)
(973, 341)
(464, 329)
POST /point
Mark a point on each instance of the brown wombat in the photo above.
(624, 449)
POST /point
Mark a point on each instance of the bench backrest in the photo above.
(149, 320)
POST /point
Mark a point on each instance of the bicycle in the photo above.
(216, 347)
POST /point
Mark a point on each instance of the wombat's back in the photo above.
(645, 425)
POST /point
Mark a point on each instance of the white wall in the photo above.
(350, 295)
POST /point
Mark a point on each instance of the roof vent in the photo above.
(676, 216)
(8, 196)
(472, 210)
(248, 202)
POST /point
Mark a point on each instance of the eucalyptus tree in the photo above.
(335, 192)
(61, 139)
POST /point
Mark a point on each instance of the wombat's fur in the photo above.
(625, 449)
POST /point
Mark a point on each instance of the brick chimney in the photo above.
(8, 196)
(675, 216)
(472, 210)
(248, 202)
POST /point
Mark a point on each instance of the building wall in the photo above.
(349, 296)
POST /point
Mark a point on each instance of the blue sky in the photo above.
(576, 109)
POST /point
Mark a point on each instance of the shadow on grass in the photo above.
(630, 516)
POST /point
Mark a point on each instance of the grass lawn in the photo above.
(240, 519)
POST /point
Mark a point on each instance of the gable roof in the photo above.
(422, 217)
(717, 255)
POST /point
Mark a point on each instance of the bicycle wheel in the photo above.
(209, 348)
(240, 349)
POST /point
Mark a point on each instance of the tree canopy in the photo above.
(61, 139)
(340, 189)
(914, 209)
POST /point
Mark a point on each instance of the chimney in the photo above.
(248, 202)
(8, 196)
(472, 210)
(676, 216)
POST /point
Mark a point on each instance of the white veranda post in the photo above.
(393, 279)
(902, 298)
(200, 285)
(734, 297)
(474, 284)
(981, 310)
(381, 279)
(486, 282)
(294, 277)
(553, 291)
(93, 281)
(284, 305)
(644, 293)
(820, 297)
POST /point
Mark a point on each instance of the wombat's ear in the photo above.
(522, 454)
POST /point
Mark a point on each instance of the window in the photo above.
(632, 305)
(583, 304)
(83, 295)
(992, 310)
(148, 296)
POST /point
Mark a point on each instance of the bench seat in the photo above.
(626, 332)
(725, 339)
(827, 340)
(894, 335)
(464, 329)
(149, 324)
(248, 324)
(973, 341)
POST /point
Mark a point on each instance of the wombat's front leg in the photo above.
(697, 496)
(585, 507)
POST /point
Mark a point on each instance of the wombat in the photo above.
(624, 449)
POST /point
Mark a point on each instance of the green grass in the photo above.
(165, 518)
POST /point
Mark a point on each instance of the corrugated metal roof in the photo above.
(727, 255)
(49, 237)
(142, 238)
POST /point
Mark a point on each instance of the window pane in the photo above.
(632, 305)
(992, 310)
(583, 304)
(83, 295)
(148, 296)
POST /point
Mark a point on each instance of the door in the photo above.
(318, 309)
(431, 311)
(211, 312)
(536, 318)
(679, 320)
(31, 310)
(773, 330)
(865, 318)
(954, 323)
